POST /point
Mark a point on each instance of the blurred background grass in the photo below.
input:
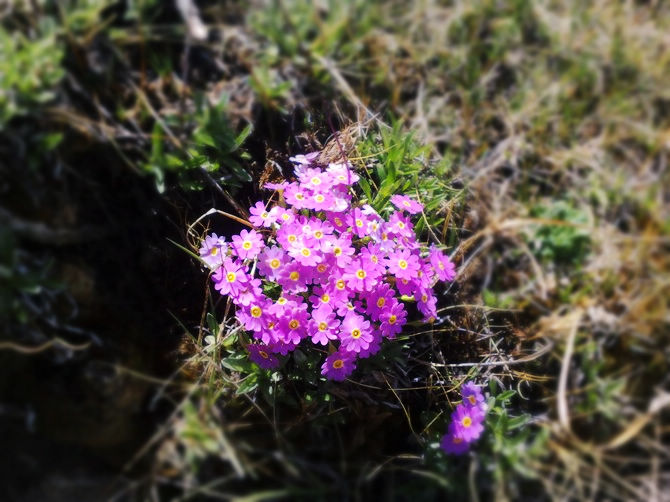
(537, 135)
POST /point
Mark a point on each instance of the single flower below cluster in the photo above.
(467, 421)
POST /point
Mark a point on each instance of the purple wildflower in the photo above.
(338, 365)
(260, 354)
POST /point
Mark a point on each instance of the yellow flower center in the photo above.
(338, 221)
(340, 284)
(306, 252)
(315, 180)
(265, 215)
(337, 251)
(292, 238)
(274, 263)
(440, 265)
(281, 300)
(299, 196)
(402, 264)
(323, 326)
(424, 298)
(374, 258)
(406, 203)
(294, 276)
(472, 400)
(359, 223)
(318, 234)
(294, 324)
(381, 302)
(319, 197)
(325, 298)
(393, 319)
(361, 274)
(401, 225)
(458, 440)
(285, 216)
(256, 312)
(246, 245)
(321, 267)
(338, 363)
(355, 333)
(230, 276)
(263, 354)
(214, 251)
(467, 422)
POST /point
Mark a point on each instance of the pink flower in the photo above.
(402, 264)
(293, 324)
(454, 445)
(248, 244)
(254, 316)
(341, 221)
(342, 175)
(361, 221)
(472, 396)
(306, 159)
(341, 249)
(373, 257)
(306, 254)
(323, 325)
(393, 318)
(338, 365)
(296, 196)
(378, 299)
(261, 216)
(261, 355)
(271, 261)
(406, 204)
(355, 333)
(467, 423)
(229, 278)
(360, 276)
(213, 251)
(319, 201)
(443, 266)
(294, 277)
(316, 180)
(400, 226)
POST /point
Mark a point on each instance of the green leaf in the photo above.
(249, 384)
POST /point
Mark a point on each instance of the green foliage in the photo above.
(396, 162)
(214, 148)
(567, 243)
(26, 284)
(513, 441)
(30, 68)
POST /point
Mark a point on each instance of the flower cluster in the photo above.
(342, 269)
(467, 421)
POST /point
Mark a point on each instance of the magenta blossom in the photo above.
(229, 278)
(467, 422)
(443, 266)
(323, 325)
(339, 365)
(355, 332)
(260, 216)
(454, 445)
(472, 396)
(248, 244)
(213, 251)
(393, 318)
(406, 204)
(261, 355)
